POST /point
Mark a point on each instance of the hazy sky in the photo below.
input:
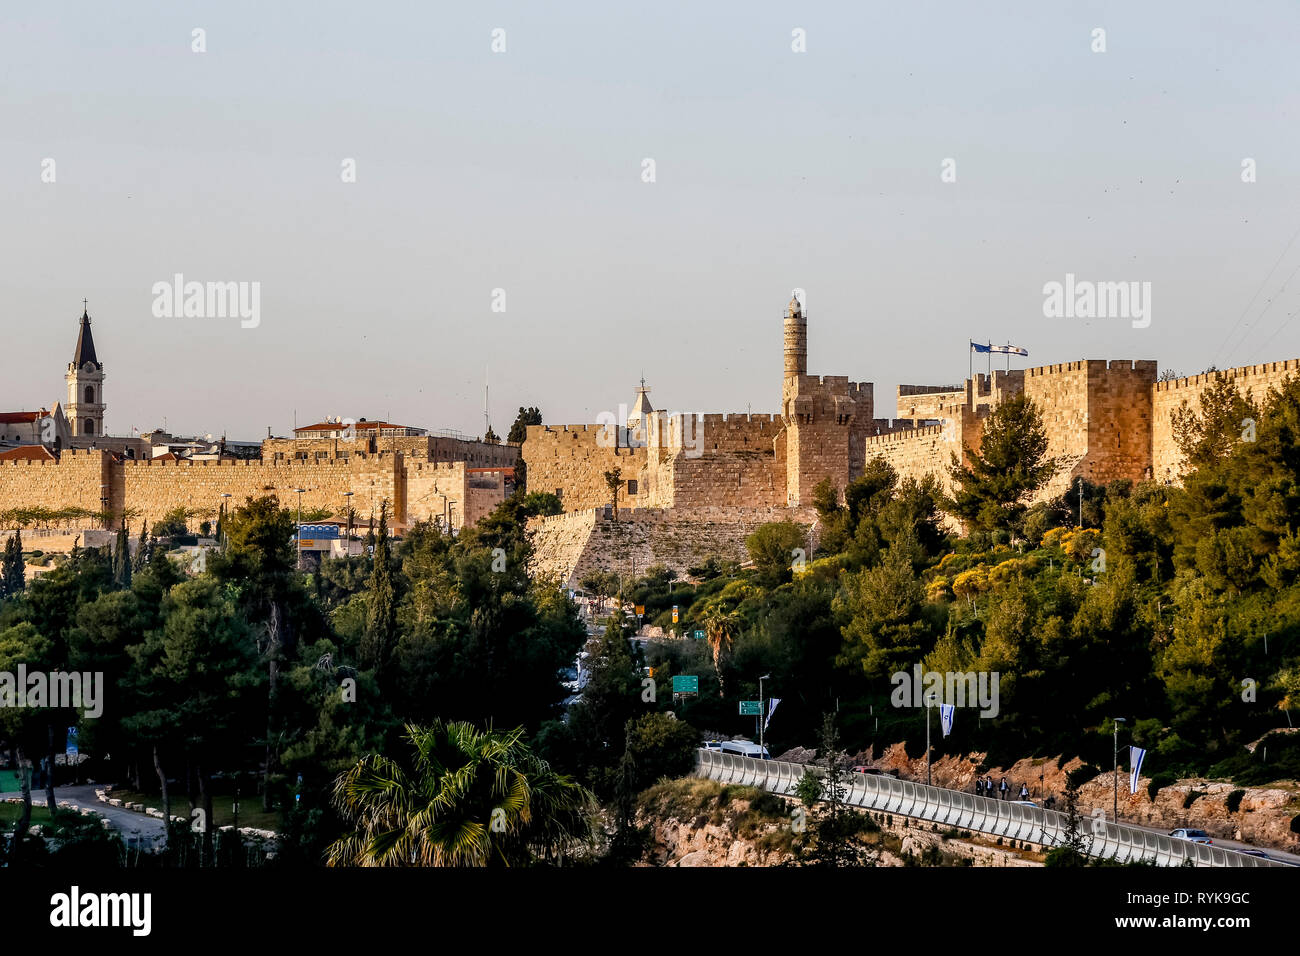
(522, 171)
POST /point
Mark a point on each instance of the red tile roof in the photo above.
(27, 453)
(19, 418)
(338, 426)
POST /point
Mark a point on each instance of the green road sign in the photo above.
(686, 685)
(699, 635)
(751, 708)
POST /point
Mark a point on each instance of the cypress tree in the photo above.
(381, 615)
(141, 549)
(13, 577)
(122, 559)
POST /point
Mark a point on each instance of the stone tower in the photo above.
(85, 380)
(796, 339)
(826, 418)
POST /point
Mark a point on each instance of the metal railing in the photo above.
(966, 811)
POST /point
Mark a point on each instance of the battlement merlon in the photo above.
(1242, 371)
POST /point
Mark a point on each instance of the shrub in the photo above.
(1233, 803)
(1192, 797)
(1158, 783)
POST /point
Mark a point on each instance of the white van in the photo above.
(743, 748)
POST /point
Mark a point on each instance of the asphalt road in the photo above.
(136, 828)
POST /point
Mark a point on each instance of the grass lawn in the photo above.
(250, 808)
(10, 812)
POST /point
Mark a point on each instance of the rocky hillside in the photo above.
(699, 822)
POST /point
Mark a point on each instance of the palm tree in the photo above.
(464, 797)
(721, 629)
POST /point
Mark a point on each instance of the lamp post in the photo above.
(762, 706)
(1115, 767)
(300, 492)
(347, 540)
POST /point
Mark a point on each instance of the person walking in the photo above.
(1024, 792)
(1002, 790)
(988, 787)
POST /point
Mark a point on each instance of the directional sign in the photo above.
(699, 635)
(640, 610)
(751, 708)
(674, 613)
(72, 742)
(686, 685)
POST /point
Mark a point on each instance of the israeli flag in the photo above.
(946, 714)
(998, 349)
(1135, 757)
(771, 709)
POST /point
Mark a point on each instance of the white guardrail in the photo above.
(966, 811)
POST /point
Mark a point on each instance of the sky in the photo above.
(921, 170)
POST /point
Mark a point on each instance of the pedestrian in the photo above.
(979, 787)
(1002, 795)
(988, 787)
(1024, 792)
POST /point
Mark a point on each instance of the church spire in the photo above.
(85, 342)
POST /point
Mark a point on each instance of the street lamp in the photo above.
(300, 493)
(1115, 767)
(762, 706)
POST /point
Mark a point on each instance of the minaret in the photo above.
(85, 380)
(796, 339)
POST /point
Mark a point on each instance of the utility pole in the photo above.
(927, 743)
(1081, 501)
(1115, 767)
(300, 492)
(762, 718)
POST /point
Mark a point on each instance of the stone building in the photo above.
(1105, 420)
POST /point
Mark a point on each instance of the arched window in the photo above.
(90, 426)
(90, 395)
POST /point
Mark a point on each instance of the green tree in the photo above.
(1010, 465)
(519, 430)
(883, 629)
(774, 547)
(381, 596)
(13, 575)
(833, 839)
(614, 481)
(461, 797)
(122, 559)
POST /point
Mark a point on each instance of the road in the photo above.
(137, 829)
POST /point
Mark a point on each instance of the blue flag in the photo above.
(946, 714)
(999, 349)
(771, 709)
(1135, 757)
